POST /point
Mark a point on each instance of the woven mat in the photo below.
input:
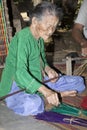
(74, 101)
(3, 35)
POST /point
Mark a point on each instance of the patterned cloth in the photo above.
(3, 33)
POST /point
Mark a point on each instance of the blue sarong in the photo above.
(67, 83)
(24, 104)
(31, 104)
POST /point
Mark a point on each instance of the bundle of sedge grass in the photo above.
(81, 70)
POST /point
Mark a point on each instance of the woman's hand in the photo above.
(51, 96)
(51, 74)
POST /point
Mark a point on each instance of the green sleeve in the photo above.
(22, 76)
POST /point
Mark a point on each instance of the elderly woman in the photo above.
(26, 65)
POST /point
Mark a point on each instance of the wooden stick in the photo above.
(11, 94)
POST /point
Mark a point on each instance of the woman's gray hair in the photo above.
(44, 8)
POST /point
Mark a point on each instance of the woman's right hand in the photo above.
(51, 96)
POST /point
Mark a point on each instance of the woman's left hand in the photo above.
(52, 74)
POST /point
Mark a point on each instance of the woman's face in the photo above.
(46, 27)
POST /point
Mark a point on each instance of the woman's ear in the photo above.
(34, 21)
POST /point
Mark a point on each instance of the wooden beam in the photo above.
(68, 66)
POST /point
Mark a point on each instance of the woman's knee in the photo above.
(33, 105)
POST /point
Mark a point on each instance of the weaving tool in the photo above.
(11, 94)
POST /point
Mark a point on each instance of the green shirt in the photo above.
(23, 63)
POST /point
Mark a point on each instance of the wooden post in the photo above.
(68, 66)
(35, 2)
